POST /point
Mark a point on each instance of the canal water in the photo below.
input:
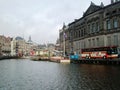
(43, 75)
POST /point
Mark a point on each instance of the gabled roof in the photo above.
(92, 8)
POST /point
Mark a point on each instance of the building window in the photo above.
(97, 27)
(116, 40)
(89, 41)
(71, 35)
(77, 45)
(79, 33)
(93, 27)
(88, 29)
(93, 42)
(114, 12)
(84, 44)
(84, 32)
(107, 13)
(97, 40)
(75, 34)
(108, 24)
(109, 41)
(115, 23)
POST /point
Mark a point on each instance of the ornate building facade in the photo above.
(99, 27)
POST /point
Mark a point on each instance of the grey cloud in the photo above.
(41, 19)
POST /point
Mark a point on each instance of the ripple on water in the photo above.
(30, 75)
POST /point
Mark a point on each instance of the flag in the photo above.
(65, 35)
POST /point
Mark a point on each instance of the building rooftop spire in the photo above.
(102, 5)
(92, 3)
(30, 40)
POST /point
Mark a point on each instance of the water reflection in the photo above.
(30, 75)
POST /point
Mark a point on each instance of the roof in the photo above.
(19, 38)
(92, 8)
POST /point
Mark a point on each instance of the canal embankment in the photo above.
(78, 61)
(66, 60)
(8, 57)
(56, 59)
(97, 61)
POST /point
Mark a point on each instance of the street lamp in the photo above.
(0, 49)
(64, 36)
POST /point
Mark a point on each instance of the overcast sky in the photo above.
(40, 19)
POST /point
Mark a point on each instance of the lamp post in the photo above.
(64, 36)
(64, 45)
(0, 50)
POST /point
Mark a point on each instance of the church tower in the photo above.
(29, 41)
(29, 38)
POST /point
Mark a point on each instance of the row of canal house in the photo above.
(99, 27)
(5, 45)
